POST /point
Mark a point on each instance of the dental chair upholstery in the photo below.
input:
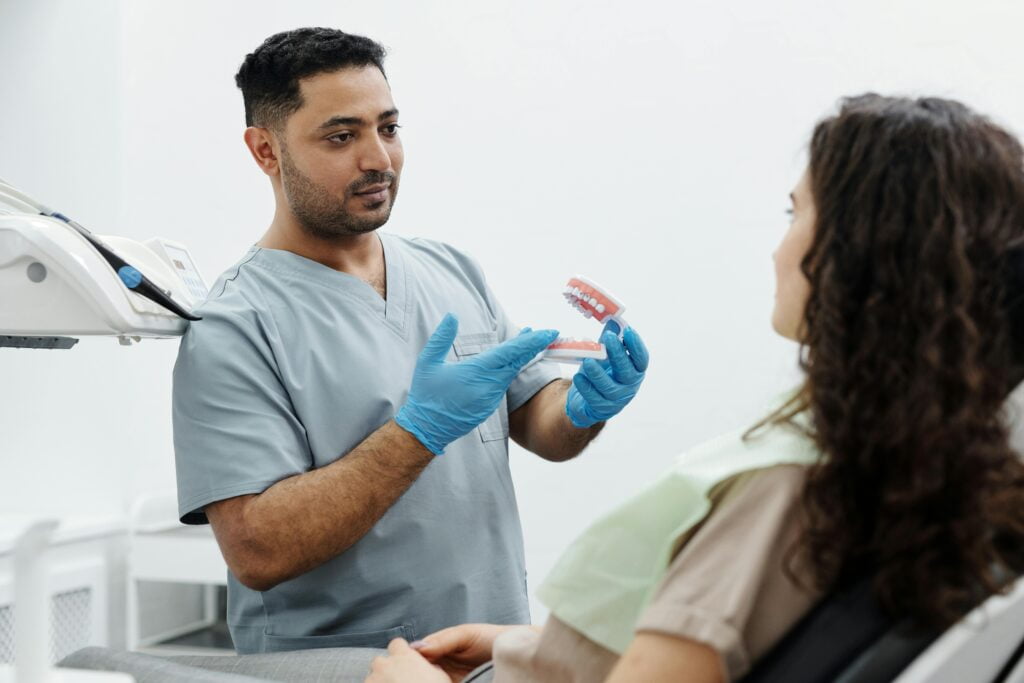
(847, 639)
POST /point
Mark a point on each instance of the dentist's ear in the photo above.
(263, 146)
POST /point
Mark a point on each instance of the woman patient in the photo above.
(899, 276)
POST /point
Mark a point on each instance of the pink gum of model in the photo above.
(593, 301)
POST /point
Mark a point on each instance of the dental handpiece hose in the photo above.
(131, 276)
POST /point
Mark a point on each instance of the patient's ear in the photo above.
(264, 148)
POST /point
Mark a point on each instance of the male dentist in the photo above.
(342, 411)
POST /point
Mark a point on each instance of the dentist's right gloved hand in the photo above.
(600, 390)
(447, 400)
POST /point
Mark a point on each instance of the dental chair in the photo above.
(845, 639)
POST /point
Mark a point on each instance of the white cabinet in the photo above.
(81, 582)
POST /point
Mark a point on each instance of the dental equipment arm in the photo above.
(131, 276)
(60, 281)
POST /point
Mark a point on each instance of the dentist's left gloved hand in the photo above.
(600, 390)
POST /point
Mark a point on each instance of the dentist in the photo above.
(342, 411)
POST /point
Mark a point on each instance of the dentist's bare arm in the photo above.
(541, 426)
(301, 522)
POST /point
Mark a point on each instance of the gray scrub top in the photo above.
(292, 366)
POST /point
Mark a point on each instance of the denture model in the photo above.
(590, 299)
(568, 350)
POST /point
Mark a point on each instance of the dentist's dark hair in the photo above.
(913, 336)
(269, 76)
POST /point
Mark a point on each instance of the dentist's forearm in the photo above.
(542, 427)
(301, 522)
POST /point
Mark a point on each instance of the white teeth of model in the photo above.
(593, 301)
(600, 308)
(588, 314)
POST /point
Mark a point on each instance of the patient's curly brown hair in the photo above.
(911, 342)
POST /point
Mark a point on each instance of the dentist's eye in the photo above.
(391, 129)
(340, 138)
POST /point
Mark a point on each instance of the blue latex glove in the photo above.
(447, 400)
(601, 389)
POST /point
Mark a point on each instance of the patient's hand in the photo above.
(404, 664)
(460, 649)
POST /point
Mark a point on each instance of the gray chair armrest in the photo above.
(323, 665)
(147, 668)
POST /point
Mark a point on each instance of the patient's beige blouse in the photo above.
(726, 588)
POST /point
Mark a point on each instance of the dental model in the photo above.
(568, 350)
(592, 301)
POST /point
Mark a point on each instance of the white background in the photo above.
(649, 145)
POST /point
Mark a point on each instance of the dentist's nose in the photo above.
(374, 155)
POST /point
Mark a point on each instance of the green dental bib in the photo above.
(602, 583)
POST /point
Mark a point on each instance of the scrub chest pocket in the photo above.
(494, 427)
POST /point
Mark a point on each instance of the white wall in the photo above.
(650, 145)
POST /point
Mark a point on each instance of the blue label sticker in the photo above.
(129, 276)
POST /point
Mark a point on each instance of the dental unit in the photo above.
(61, 281)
